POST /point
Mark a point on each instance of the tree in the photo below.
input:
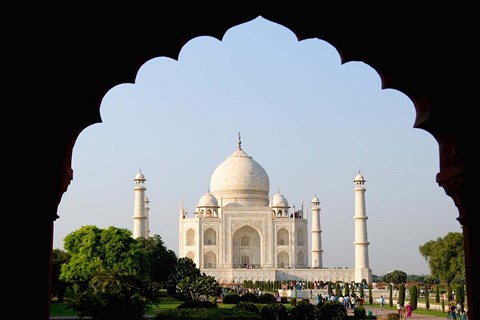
(58, 287)
(362, 293)
(113, 294)
(193, 287)
(427, 299)
(330, 288)
(185, 267)
(347, 288)
(390, 296)
(460, 295)
(161, 259)
(370, 295)
(396, 277)
(110, 272)
(401, 293)
(445, 257)
(414, 297)
(338, 290)
(430, 281)
(93, 249)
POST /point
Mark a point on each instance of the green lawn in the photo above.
(62, 309)
(434, 313)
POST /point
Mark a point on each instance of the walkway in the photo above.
(383, 314)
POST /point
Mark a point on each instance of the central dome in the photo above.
(240, 179)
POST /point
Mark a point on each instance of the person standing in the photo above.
(409, 310)
(353, 300)
(399, 309)
(382, 302)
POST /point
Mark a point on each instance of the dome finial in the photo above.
(239, 142)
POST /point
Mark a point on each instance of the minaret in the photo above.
(147, 216)
(316, 234)
(139, 216)
(182, 213)
(362, 269)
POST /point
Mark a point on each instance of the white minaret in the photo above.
(139, 216)
(362, 269)
(182, 214)
(316, 235)
(147, 217)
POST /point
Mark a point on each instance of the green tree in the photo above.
(114, 294)
(362, 293)
(93, 249)
(414, 297)
(396, 277)
(445, 257)
(390, 295)
(427, 299)
(184, 267)
(460, 295)
(338, 290)
(161, 259)
(347, 288)
(330, 288)
(401, 293)
(370, 295)
(430, 281)
(192, 288)
(58, 287)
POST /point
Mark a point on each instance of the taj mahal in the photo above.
(239, 232)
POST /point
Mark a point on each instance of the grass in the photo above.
(62, 309)
(431, 312)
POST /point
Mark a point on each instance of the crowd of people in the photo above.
(456, 312)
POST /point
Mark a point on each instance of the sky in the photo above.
(310, 121)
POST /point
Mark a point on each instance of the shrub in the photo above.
(202, 314)
(267, 298)
(231, 298)
(331, 311)
(249, 297)
(274, 311)
(293, 301)
(197, 304)
(304, 311)
(393, 316)
(247, 306)
(359, 312)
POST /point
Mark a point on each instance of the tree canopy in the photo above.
(161, 259)
(113, 275)
(185, 267)
(93, 249)
(396, 277)
(445, 257)
(58, 287)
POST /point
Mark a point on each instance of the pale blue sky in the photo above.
(311, 122)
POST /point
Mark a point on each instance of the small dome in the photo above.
(315, 199)
(208, 200)
(279, 200)
(359, 177)
(140, 176)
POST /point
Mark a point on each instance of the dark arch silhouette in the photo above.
(58, 62)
